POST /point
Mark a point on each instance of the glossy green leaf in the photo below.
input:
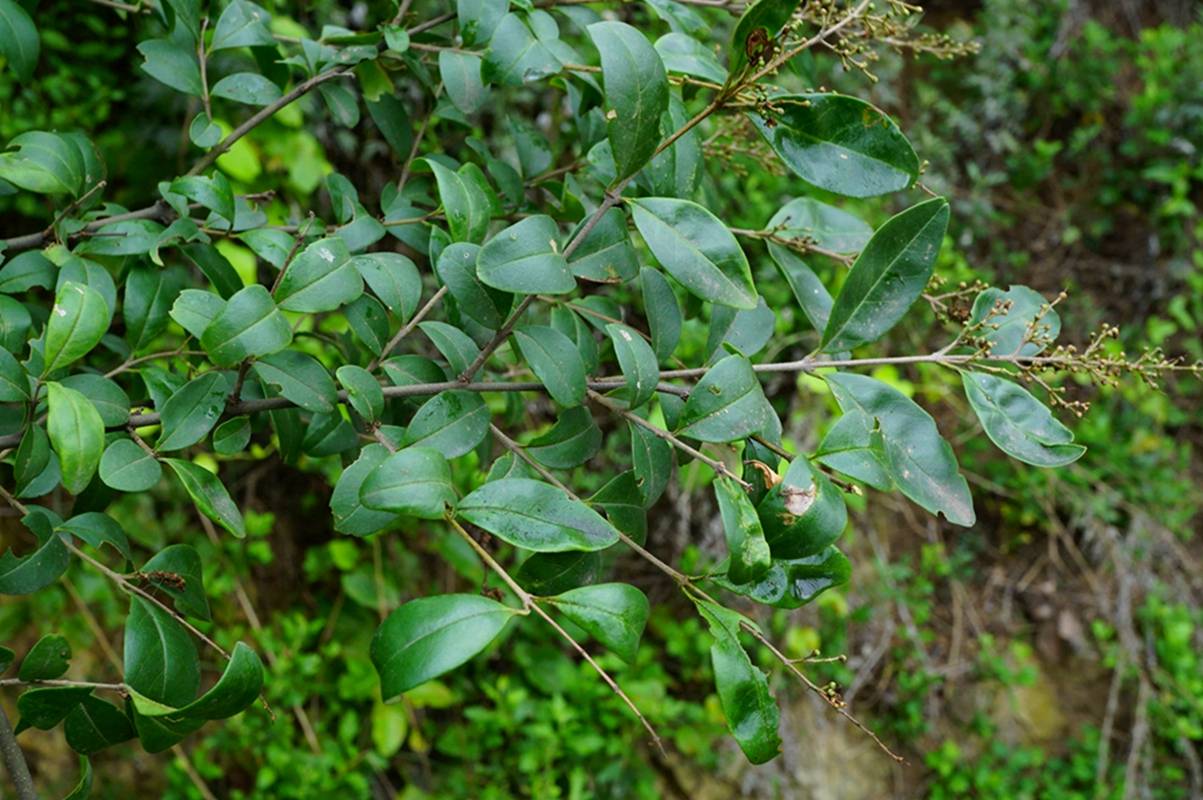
(350, 514)
(745, 539)
(697, 249)
(44, 708)
(855, 447)
(683, 54)
(461, 78)
(573, 440)
(743, 689)
(612, 613)
(890, 274)
(363, 391)
(241, 24)
(525, 258)
(792, 583)
(1018, 423)
(763, 21)
(827, 226)
(47, 659)
(232, 436)
(663, 312)
(536, 516)
(727, 404)
(652, 461)
(606, 253)
(176, 571)
(1008, 321)
(553, 573)
(516, 56)
(126, 467)
(210, 496)
(191, 412)
(300, 378)
(98, 529)
(809, 291)
(76, 433)
(393, 278)
(840, 143)
(32, 457)
(918, 459)
(636, 92)
(26, 270)
(802, 513)
(414, 481)
(160, 659)
(430, 636)
(320, 278)
(79, 318)
(95, 724)
(479, 18)
(637, 361)
(451, 422)
(456, 268)
(149, 294)
(556, 362)
(37, 569)
(250, 88)
(465, 203)
(172, 64)
(214, 193)
(236, 689)
(194, 310)
(18, 39)
(248, 325)
(14, 383)
(455, 345)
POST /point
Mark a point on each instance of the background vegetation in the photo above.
(1051, 651)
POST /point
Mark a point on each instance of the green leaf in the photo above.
(214, 193)
(149, 294)
(300, 378)
(98, 529)
(1018, 423)
(350, 515)
(739, 331)
(126, 467)
(83, 789)
(637, 361)
(455, 345)
(236, 689)
(169, 63)
(39, 569)
(47, 707)
(191, 412)
(77, 434)
(465, 203)
(232, 436)
(827, 226)
(456, 268)
(414, 481)
(216, 267)
(745, 539)
(556, 362)
(479, 18)
(95, 724)
(430, 636)
(18, 40)
(652, 462)
(727, 404)
(606, 254)
(176, 570)
(46, 660)
(536, 516)
(792, 583)
(684, 54)
(79, 318)
(209, 494)
(697, 249)
(918, 459)
(320, 278)
(32, 458)
(840, 144)
(855, 447)
(26, 270)
(369, 321)
(525, 258)
(809, 291)
(194, 310)
(890, 274)
(241, 24)
(516, 56)
(1008, 321)
(203, 131)
(612, 613)
(461, 78)
(552, 573)
(363, 391)
(636, 93)
(14, 383)
(743, 689)
(393, 278)
(48, 163)
(250, 88)
(451, 422)
(573, 440)
(764, 18)
(803, 513)
(160, 659)
(249, 325)
(663, 312)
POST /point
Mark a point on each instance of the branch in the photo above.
(14, 761)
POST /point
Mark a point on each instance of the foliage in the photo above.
(552, 237)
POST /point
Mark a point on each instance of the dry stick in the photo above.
(529, 604)
(14, 761)
(714, 464)
(109, 687)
